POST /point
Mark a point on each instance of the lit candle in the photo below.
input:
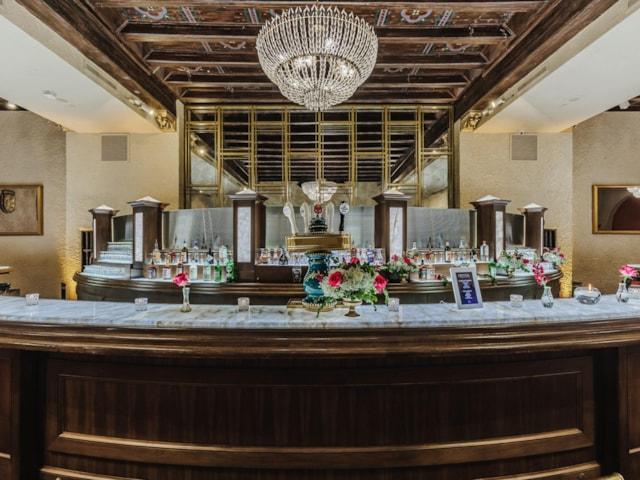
(590, 287)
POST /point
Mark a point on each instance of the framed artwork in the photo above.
(21, 210)
(466, 289)
(616, 209)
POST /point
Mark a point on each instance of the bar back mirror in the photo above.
(616, 209)
(364, 150)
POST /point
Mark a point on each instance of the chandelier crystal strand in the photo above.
(316, 56)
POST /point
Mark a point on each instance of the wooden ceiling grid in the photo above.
(463, 53)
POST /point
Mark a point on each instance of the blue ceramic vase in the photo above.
(318, 264)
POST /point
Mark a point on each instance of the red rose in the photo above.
(181, 279)
(355, 260)
(379, 283)
(395, 258)
(525, 261)
(407, 260)
(335, 279)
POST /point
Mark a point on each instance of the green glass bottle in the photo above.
(217, 272)
(231, 270)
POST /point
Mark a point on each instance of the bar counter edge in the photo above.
(113, 394)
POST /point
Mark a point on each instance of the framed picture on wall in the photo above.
(616, 209)
(21, 210)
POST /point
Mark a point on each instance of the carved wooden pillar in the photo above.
(534, 226)
(249, 231)
(147, 227)
(491, 223)
(391, 222)
(102, 230)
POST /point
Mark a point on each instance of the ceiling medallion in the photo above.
(317, 56)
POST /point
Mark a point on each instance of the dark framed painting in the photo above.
(21, 210)
(616, 209)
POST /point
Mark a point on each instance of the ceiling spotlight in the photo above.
(11, 106)
(624, 105)
(202, 151)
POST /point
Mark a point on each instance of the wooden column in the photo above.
(534, 226)
(391, 222)
(102, 231)
(147, 227)
(491, 223)
(249, 232)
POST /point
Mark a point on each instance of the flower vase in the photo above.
(404, 278)
(622, 295)
(186, 307)
(547, 297)
(352, 304)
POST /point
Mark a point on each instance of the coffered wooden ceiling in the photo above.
(462, 53)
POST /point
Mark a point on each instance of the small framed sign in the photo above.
(466, 289)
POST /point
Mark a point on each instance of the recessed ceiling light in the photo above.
(11, 106)
(50, 94)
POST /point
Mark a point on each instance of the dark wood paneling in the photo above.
(319, 419)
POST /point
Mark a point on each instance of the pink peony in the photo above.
(181, 279)
(395, 258)
(379, 283)
(335, 279)
(627, 271)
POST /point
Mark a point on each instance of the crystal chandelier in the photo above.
(317, 56)
(319, 191)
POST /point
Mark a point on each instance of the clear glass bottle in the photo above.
(206, 272)
(622, 295)
(484, 251)
(193, 271)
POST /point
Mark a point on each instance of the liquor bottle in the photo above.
(474, 255)
(184, 253)
(194, 245)
(447, 252)
(156, 252)
(209, 256)
(484, 251)
(429, 244)
(231, 271)
(284, 259)
(217, 272)
(193, 271)
(206, 272)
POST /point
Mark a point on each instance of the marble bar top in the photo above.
(168, 316)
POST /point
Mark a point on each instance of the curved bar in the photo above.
(159, 291)
(498, 393)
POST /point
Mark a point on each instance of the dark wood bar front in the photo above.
(118, 394)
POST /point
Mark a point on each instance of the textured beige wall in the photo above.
(151, 170)
(486, 169)
(606, 150)
(32, 150)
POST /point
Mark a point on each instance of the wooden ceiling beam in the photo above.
(79, 25)
(188, 32)
(460, 61)
(560, 23)
(389, 81)
(479, 6)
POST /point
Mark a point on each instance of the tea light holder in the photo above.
(394, 304)
(516, 301)
(587, 295)
(32, 299)
(243, 304)
(141, 304)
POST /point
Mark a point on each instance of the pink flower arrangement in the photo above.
(181, 280)
(380, 284)
(335, 278)
(538, 274)
(627, 272)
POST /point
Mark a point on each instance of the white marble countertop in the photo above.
(124, 315)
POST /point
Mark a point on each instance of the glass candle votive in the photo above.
(394, 304)
(516, 300)
(243, 304)
(141, 304)
(587, 295)
(32, 299)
